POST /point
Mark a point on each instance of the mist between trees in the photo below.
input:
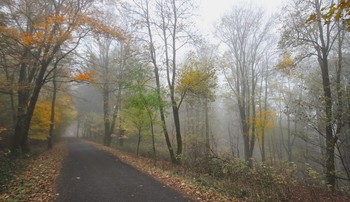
(138, 76)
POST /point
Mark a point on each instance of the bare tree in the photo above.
(245, 31)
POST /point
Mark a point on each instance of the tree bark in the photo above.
(178, 132)
(207, 135)
(106, 117)
(138, 141)
(330, 139)
(52, 116)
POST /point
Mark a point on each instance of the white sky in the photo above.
(210, 11)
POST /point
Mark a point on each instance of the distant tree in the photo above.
(245, 31)
(108, 60)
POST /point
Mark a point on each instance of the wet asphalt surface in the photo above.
(89, 174)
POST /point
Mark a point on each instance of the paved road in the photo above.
(89, 174)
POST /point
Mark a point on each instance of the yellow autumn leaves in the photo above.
(41, 120)
(264, 120)
(40, 125)
(197, 78)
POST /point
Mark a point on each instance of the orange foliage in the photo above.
(44, 33)
(56, 29)
(100, 28)
(86, 76)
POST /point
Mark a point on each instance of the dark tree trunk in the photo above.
(165, 131)
(153, 142)
(78, 127)
(330, 139)
(107, 124)
(33, 100)
(21, 109)
(177, 131)
(252, 125)
(156, 74)
(52, 117)
(149, 112)
(138, 142)
(207, 135)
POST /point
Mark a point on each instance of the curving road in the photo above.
(89, 174)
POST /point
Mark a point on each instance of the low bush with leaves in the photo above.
(233, 177)
(237, 179)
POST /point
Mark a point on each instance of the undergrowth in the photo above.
(11, 166)
(235, 178)
(31, 177)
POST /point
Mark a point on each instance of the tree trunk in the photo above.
(153, 142)
(330, 139)
(23, 97)
(245, 131)
(161, 108)
(33, 100)
(11, 90)
(78, 127)
(52, 117)
(252, 124)
(178, 132)
(107, 124)
(20, 142)
(207, 135)
(263, 152)
(138, 142)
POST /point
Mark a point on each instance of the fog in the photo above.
(186, 81)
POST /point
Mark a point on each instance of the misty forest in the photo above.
(256, 110)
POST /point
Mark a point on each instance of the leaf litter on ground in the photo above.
(38, 180)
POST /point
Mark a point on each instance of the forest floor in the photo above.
(31, 177)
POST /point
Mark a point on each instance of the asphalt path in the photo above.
(89, 174)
